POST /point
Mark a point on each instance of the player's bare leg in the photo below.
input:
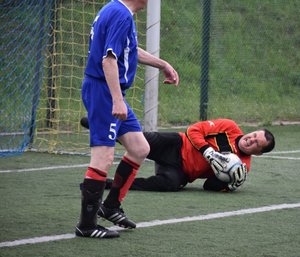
(137, 149)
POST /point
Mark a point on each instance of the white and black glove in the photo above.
(239, 177)
(216, 160)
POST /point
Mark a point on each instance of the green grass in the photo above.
(253, 68)
(254, 56)
(45, 203)
(254, 60)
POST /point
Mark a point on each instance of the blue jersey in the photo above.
(113, 30)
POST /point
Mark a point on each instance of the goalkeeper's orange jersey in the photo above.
(220, 134)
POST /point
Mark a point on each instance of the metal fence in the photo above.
(236, 59)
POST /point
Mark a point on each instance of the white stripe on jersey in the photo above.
(126, 64)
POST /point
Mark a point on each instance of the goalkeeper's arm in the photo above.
(216, 160)
(214, 184)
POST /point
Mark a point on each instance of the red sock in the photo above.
(93, 173)
(124, 176)
(125, 187)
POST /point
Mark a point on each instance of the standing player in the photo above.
(111, 67)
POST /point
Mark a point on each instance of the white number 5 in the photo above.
(112, 130)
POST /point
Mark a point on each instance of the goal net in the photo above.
(44, 65)
(23, 26)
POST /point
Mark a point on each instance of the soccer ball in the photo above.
(231, 166)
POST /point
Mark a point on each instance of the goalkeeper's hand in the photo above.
(217, 160)
(239, 177)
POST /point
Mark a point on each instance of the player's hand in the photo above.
(171, 75)
(119, 109)
(239, 177)
(217, 160)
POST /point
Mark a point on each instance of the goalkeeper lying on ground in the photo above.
(181, 158)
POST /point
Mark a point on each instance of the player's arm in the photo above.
(197, 134)
(171, 75)
(111, 72)
(214, 184)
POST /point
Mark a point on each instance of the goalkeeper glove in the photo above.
(239, 177)
(217, 160)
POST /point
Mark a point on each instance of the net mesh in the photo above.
(252, 67)
(23, 42)
(61, 107)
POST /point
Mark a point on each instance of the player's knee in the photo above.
(172, 186)
(145, 151)
(141, 152)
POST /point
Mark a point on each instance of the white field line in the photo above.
(283, 152)
(272, 155)
(49, 168)
(36, 240)
(279, 157)
(267, 156)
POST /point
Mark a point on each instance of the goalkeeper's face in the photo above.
(253, 143)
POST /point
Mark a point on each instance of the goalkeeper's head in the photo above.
(257, 142)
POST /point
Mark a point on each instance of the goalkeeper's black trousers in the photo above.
(165, 150)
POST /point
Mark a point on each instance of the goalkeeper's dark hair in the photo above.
(271, 141)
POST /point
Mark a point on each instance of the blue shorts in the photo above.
(104, 127)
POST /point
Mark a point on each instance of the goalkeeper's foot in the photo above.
(116, 216)
(98, 232)
(84, 122)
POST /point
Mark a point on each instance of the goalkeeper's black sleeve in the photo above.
(214, 184)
